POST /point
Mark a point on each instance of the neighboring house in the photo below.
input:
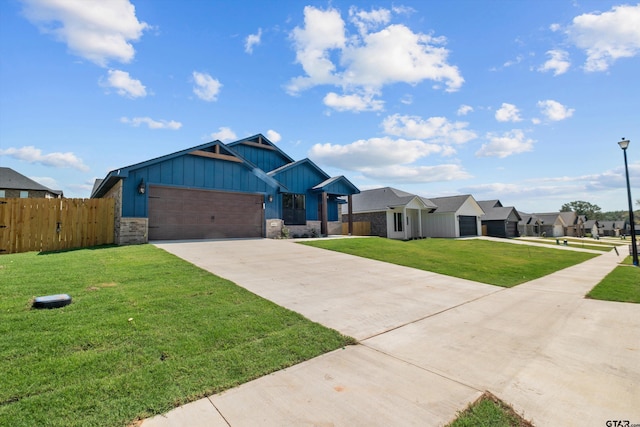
(573, 224)
(16, 185)
(456, 216)
(604, 228)
(248, 188)
(498, 220)
(392, 213)
(611, 228)
(552, 224)
(529, 225)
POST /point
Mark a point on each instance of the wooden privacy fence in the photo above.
(34, 224)
(360, 228)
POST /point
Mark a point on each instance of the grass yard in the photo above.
(495, 263)
(146, 332)
(489, 411)
(622, 284)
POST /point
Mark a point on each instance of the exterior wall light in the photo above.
(141, 187)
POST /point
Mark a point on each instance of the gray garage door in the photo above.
(468, 225)
(177, 213)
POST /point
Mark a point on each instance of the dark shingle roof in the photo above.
(494, 211)
(383, 198)
(450, 204)
(12, 180)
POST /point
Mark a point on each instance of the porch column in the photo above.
(420, 222)
(350, 209)
(406, 221)
(323, 213)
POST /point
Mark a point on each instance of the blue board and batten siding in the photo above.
(265, 159)
(300, 178)
(252, 166)
(189, 171)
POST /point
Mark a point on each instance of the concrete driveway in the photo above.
(429, 344)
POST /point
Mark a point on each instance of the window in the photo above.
(294, 211)
(397, 221)
(2, 193)
(24, 194)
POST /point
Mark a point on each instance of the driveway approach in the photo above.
(429, 344)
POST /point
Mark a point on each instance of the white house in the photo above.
(456, 216)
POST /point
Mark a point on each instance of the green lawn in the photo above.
(489, 411)
(622, 284)
(146, 332)
(495, 263)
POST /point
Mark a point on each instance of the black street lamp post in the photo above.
(634, 247)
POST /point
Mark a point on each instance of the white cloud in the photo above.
(252, 40)
(353, 102)
(417, 174)
(397, 54)
(555, 191)
(555, 27)
(555, 111)
(367, 21)
(273, 136)
(607, 36)
(323, 31)
(32, 154)
(505, 145)
(372, 153)
(558, 62)
(513, 62)
(152, 124)
(370, 59)
(437, 129)
(407, 99)
(464, 110)
(224, 134)
(508, 113)
(99, 31)
(124, 84)
(206, 88)
(46, 181)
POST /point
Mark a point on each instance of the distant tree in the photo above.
(580, 207)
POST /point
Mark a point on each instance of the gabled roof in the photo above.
(489, 204)
(494, 211)
(527, 218)
(337, 185)
(297, 164)
(214, 149)
(450, 204)
(12, 180)
(500, 214)
(260, 141)
(548, 218)
(379, 199)
(569, 218)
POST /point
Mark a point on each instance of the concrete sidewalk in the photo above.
(429, 344)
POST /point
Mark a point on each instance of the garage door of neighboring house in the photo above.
(178, 213)
(468, 225)
(512, 229)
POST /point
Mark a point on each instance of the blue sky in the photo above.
(523, 101)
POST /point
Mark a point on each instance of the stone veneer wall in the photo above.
(133, 231)
(127, 231)
(378, 221)
(274, 229)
